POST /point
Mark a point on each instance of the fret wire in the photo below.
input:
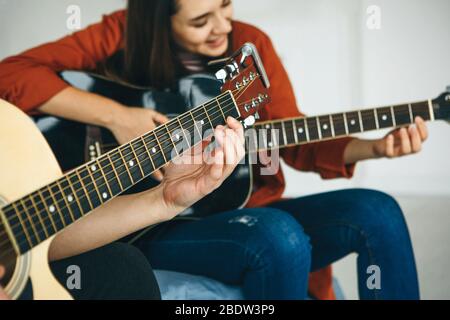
(306, 129)
(171, 140)
(56, 204)
(224, 118)
(207, 115)
(411, 117)
(137, 159)
(294, 128)
(38, 213)
(22, 224)
(184, 134)
(125, 164)
(160, 147)
(332, 125)
(283, 128)
(65, 201)
(361, 124)
(347, 131)
(33, 227)
(430, 106)
(48, 209)
(9, 231)
(84, 188)
(195, 124)
(94, 182)
(148, 152)
(319, 128)
(115, 171)
(376, 118)
(394, 121)
(105, 178)
(69, 182)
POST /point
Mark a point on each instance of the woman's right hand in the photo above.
(129, 123)
(3, 295)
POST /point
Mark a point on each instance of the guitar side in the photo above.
(26, 163)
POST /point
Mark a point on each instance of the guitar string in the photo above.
(65, 207)
(47, 219)
(106, 147)
(106, 175)
(137, 158)
(29, 217)
(93, 183)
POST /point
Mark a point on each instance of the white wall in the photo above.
(334, 62)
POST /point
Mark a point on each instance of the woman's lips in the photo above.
(217, 43)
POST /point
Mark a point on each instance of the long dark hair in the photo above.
(149, 57)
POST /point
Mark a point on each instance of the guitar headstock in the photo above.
(442, 106)
(244, 75)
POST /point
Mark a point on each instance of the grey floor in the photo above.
(428, 220)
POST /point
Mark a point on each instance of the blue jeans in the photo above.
(270, 251)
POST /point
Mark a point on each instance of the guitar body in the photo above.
(26, 163)
(192, 91)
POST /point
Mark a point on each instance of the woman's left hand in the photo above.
(402, 142)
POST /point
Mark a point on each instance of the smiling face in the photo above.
(202, 26)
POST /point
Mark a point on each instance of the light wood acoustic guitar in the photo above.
(37, 200)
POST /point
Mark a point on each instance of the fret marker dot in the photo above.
(153, 150)
(70, 198)
(300, 130)
(202, 122)
(270, 144)
(52, 208)
(352, 122)
(384, 117)
(131, 163)
(325, 127)
(93, 168)
(105, 195)
(267, 126)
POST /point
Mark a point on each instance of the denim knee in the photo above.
(277, 238)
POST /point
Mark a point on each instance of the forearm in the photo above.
(359, 150)
(112, 221)
(82, 106)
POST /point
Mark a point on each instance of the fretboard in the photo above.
(296, 131)
(41, 214)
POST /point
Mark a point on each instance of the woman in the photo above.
(271, 247)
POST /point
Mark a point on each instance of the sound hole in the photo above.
(8, 257)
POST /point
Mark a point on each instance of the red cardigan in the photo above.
(29, 79)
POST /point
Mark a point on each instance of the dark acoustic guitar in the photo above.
(268, 135)
(37, 200)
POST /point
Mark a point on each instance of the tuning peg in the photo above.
(222, 75)
(248, 122)
(246, 51)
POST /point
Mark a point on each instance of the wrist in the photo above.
(113, 118)
(358, 150)
(155, 201)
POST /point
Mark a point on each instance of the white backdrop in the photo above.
(335, 63)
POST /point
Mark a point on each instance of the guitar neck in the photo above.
(41, 214)
(298, 131)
